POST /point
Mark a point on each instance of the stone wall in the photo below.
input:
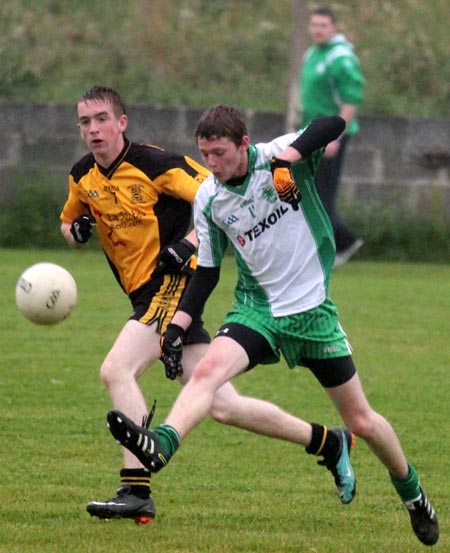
(393, 161)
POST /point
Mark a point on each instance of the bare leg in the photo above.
(209, 391)
(137, 347)
(363, 421)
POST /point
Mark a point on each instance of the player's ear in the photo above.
(245, 142)
(123, 122)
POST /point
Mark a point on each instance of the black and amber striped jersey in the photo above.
(141, 203)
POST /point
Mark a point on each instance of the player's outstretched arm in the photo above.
(317, 135)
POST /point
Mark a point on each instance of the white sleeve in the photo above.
(212, 240)
(270, 149)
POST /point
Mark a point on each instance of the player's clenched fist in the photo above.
(81, 228)
(176, 257)
(172, 350)
(284, 182)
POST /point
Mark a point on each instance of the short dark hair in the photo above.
(327, 12)
(221, 121)
(107, 95)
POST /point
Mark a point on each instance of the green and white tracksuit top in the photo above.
(284, 257)
(330, 76)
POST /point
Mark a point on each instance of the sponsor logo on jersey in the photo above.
(230, 220)
(93, 194)
(123, 219)
(263, 225)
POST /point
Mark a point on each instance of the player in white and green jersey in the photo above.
(277, 278)
(261, 200)
(253, 220)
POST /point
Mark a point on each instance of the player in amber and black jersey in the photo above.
(139, 198)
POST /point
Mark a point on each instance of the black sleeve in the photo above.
(318, 134)
(200, 287)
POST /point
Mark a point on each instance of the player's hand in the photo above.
(284, 182)
(174, 258)
(81, 229)
(332, 149)
(171, 344)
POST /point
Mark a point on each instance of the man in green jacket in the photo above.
(331, 83)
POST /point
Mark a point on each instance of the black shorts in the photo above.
(329, 372)
(156, 302)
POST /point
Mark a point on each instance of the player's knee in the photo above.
(219, 413)
(109, 374)
(204, 372)
(222, 410)
(227, 406)
(105, 374)
(362, 425)
(207, 375)
(201, 377)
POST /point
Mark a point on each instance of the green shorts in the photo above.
(313, 334)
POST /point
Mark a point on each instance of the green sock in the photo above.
(169, 438)
(407, 488)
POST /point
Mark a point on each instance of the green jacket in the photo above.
(330, 76)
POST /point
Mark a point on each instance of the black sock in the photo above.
(322, 442)
(138, 480)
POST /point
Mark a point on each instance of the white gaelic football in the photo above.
(46, 293)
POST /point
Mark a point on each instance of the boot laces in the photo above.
(147, 419)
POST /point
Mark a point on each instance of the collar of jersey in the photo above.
(241, 189)
(109, 171)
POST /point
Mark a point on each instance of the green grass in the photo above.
(226, 490)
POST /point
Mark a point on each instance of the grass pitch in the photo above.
(226, 490)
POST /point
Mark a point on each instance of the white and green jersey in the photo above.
(284, 257)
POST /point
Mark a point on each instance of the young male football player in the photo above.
(264, 204)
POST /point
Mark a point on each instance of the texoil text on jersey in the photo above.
(265, 223)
